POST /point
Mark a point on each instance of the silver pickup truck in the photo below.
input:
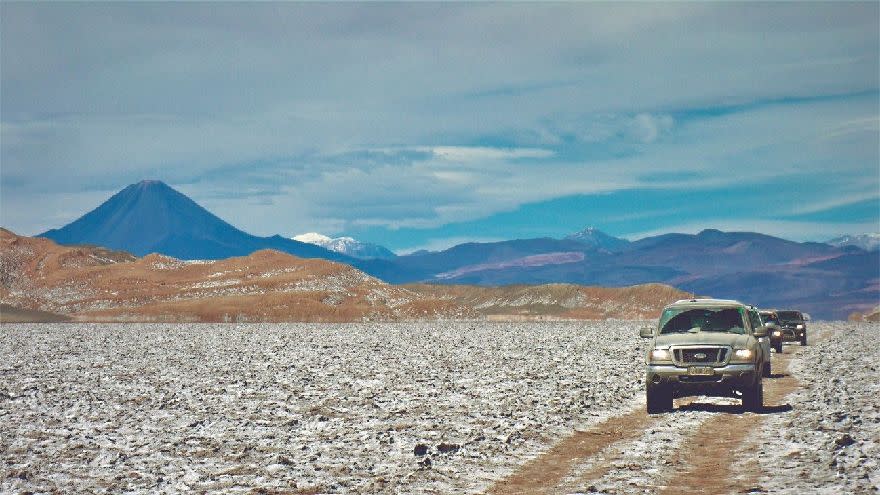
(705, 347)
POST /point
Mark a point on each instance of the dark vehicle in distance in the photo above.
(771, 319)
(793, 325)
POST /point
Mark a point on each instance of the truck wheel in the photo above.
(778, 347)
(659, 399)
(804, 340)
(753, 397)
(766, 371)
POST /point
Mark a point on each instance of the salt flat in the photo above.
(336, 408)
(430, 407)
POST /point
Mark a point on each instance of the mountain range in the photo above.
(41, 281)
(825, 280)
(868, 242)
(597, 239)
(347, 246)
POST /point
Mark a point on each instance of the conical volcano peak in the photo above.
(598, 239)
(152, 217)
(150, 183)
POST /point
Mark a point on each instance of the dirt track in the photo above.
(714, 444)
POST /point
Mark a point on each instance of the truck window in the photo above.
(754, 319)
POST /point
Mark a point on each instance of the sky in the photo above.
(423, 125)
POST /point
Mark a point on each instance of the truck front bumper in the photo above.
(723, 381)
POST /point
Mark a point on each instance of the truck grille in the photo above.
(700, 355)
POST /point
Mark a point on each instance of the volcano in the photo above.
(152, 217)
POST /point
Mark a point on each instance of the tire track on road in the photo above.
(702, 465)
(543, 474)
(717, 444)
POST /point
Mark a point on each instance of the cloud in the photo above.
(30, 214)
(825, 205)
(482, 153)
(647, 128)
(291, 117)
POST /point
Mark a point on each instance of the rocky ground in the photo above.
(388, 408)
(830, 441)
(396, 408)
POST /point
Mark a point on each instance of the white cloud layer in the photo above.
(290, 117)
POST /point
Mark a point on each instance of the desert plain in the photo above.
(417, 407)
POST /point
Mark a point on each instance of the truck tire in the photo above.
(804, 340)
(778, 347)
(767, 369)
(753, 397)
(659, 399)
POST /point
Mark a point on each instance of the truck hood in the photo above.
(700, 338)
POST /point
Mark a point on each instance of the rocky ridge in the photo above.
(566, 301)
(95, 284)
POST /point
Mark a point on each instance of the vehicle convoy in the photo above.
(794, 326)
(771, 319)
(705, 347)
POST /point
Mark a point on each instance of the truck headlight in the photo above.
(800, 327)
(661, 355)
(743, 354)
(777, 333)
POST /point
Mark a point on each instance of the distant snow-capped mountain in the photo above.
(868, 242)
(346, 245)
(599, 240)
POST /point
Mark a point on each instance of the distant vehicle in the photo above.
(705, 347)
(771, 319)
(793, 325)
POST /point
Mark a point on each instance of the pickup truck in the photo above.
(793, 325)
(705, 347)
(771, 319)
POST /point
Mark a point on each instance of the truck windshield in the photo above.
(685, 320)
(769, 318)
(790, 315)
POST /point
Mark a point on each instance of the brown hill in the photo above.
(96, 284)
(42, 281)
(872, 315)
(558, 300)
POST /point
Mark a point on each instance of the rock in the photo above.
(446, 448)
(274, 469)
(844, 441)
(420, 449)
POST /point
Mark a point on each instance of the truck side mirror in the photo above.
(760, 331)
(646, 332)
